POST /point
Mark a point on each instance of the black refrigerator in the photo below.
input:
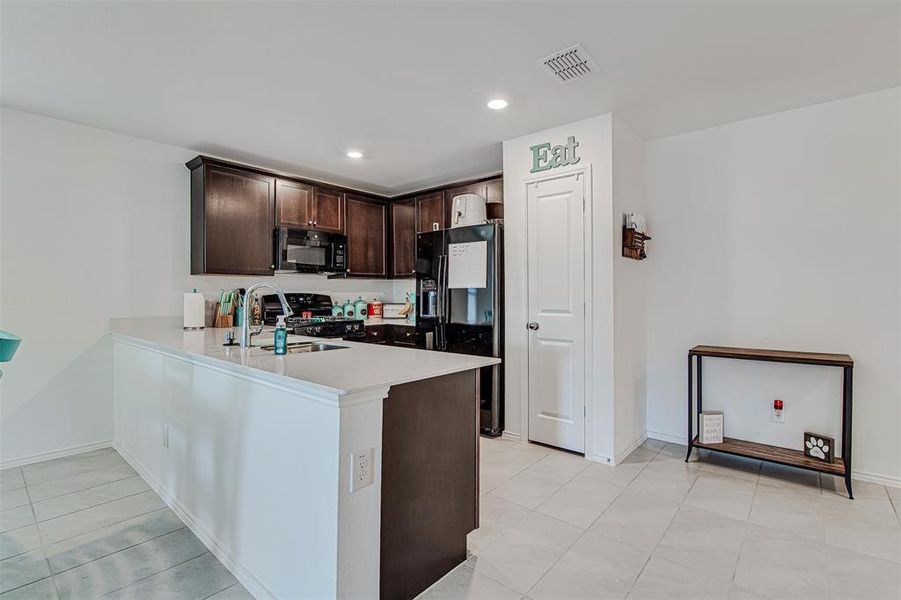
(459, 303)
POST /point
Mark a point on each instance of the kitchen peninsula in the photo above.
(351, 472)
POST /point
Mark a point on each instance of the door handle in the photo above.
(533, 325)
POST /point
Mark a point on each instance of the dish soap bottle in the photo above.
(281, 336)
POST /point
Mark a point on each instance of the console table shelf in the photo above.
(777, 454)
(786, 456)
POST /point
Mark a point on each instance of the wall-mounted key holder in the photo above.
(633, 243)
(634, 236)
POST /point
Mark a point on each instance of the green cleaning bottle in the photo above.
(281, 336)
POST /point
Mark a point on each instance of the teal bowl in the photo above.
(9, 343)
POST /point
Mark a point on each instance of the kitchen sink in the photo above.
(300, 347)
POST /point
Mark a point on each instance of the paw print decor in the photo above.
(819, 447)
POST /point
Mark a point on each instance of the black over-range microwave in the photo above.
(309, 251)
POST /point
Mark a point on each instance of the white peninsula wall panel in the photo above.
(94, 226)
(782, 231)
(261, 473)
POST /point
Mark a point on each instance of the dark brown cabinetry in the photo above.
(494, 190)
(232, 212)
(235, 208)
(367, 229)
(294, 203)
(403, 237)
(328, 209)
(309, 206)
(430, 212)
(391, 335)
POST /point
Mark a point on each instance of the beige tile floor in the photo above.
(88, 526)
(554, 525)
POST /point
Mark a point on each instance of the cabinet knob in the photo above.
(533, 325)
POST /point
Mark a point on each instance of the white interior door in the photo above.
(557, 312)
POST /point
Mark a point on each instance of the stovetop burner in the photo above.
(331, 327)
(328, 319)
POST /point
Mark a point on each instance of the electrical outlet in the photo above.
(361, 469)
(165, 436)
(777, 414)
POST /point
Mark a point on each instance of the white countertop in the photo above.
(355, 368)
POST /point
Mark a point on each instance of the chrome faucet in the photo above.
(246, 333)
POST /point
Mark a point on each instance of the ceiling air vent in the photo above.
(570, 64)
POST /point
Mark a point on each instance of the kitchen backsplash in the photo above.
(386, 290)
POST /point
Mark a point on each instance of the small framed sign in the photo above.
(711, 430)
(819, 447)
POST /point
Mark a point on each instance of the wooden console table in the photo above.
(785, 456)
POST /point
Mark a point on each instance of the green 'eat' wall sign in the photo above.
(564, 154)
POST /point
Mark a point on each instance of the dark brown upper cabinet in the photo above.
(367, 236)
(328, 209)
(294, 203)
(430, 211)
(403, 237)
(235, 208)
(232, 213)
(494, 190)
(309, 206)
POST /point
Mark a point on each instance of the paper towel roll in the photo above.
(194, 311)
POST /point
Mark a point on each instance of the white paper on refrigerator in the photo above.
(467, 265)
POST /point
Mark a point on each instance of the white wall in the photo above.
(595, 145)
(94, 226)
(781, 232)
(629, 295)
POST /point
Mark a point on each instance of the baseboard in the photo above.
(70, 451)
(855, 474)
(874, 478)
(254, 586)
(512, 436)
(667, 437)
(622, 455)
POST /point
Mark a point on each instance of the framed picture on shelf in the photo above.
(819, 447)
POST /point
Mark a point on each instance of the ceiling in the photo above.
(293, 85)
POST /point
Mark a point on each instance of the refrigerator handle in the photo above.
(444, 308)
(496, 295)
(442, 302)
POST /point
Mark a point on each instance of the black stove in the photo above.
(316, 305)
(327, 327)
(312, 317)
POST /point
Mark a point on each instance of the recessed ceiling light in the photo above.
(497, 104)
(354, 154)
